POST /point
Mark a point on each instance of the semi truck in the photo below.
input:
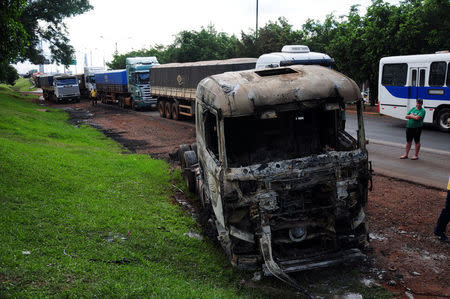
(89, 77)
(174, 84)
(59, 88)
(128, 87)
(282, 186)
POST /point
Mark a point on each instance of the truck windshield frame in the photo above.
(66, 81)
(291, 135)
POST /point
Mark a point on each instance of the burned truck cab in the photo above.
(283, 185)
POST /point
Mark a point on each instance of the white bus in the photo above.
(291, 55)
(404, 79)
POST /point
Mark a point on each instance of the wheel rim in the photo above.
(444, 120)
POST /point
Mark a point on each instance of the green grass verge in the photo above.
(23, 84)
(74, 207)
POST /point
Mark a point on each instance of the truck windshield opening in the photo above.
(143, 78)
(291, 135)
(66, 81)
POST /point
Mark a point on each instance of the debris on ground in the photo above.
(193, 234)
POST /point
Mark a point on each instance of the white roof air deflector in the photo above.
(295, 49)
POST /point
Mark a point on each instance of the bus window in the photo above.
(394, 74)
(422, 78)
(414, 78)
(437, 73)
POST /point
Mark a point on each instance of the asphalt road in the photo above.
(386, 144)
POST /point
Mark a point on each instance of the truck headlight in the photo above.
(298, 233)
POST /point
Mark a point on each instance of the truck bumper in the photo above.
(320, 261)
(147, 103)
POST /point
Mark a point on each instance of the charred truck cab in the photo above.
(283, 186)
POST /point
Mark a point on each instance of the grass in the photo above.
(82, 219)
(23, 84)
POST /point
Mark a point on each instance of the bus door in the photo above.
(417, 76)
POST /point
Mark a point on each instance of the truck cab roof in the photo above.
(247, 92)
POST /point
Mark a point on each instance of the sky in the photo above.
(137, 24)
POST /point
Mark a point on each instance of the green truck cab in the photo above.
(138, 74)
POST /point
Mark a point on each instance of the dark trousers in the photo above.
(442, 222)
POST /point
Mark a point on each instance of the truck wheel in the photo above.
(189, 175)
(443, 120)
(161, 108)
(194, 147)
(168, 110)
(175, 111)
(183, 148)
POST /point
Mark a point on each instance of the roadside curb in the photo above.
(411, 181)
(401, 145)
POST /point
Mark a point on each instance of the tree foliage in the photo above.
(8, 74)
(24, 24)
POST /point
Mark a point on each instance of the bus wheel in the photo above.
(161, 108)
(168, 110)
(443, 120)
(175, 111)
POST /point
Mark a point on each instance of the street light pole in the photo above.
(256, 19)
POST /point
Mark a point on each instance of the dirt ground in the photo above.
(406, 257)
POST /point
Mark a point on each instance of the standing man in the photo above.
(93, 96)
(414, 126)
(443, 219)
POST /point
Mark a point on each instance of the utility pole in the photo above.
(256, 19)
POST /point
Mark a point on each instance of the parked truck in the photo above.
(129, 87)
(174, 84)
(59, 88)
(89, 77)
(281, 184)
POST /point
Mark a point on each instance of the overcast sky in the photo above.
(137, 24)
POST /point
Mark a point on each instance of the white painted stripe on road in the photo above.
(401, 145)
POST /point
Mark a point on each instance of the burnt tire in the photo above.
(443, 120)
(181, 150)
(168, 110)
(162, 108)
(175, 111)
(190, 158)
(194, 147)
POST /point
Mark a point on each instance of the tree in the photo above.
(12, 32)
(318, 35)
(25, 23)
(206, 44)
(8, 74)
